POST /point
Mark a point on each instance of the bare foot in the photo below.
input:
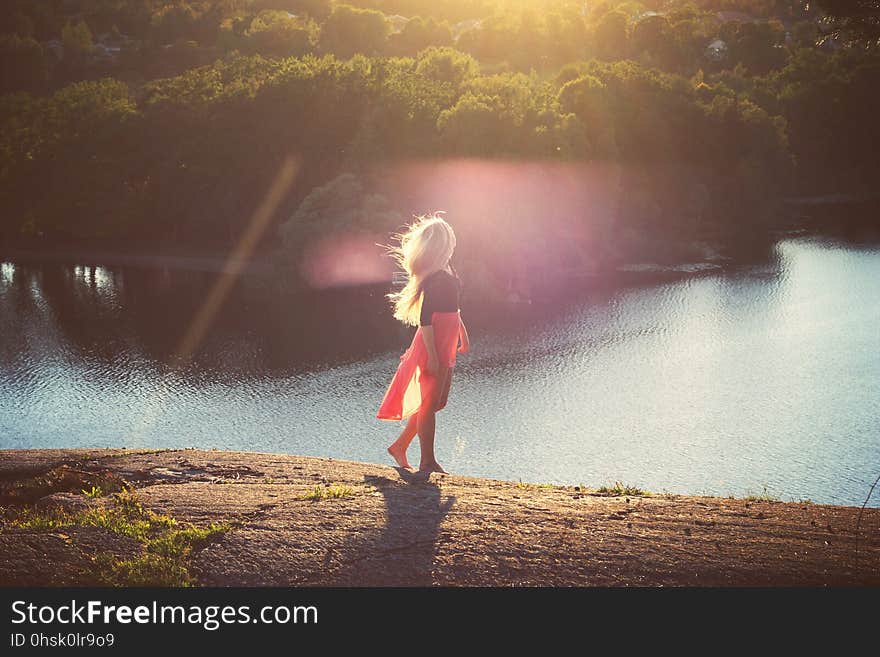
(428, 468)
(400, 457)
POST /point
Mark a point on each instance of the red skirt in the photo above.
(411, 384)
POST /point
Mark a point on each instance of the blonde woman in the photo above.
(430, 301)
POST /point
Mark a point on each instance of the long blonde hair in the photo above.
(425, 248)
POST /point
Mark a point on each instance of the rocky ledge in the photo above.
(216, 518)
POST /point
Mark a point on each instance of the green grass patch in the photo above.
(147, 569)
(164, 561)
(327, 493)
(764, 496)
(528, 486)
(619, 489)
(167, 544)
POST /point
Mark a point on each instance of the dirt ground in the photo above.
(384, 530)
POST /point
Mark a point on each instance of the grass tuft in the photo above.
(167, 545)
(528, 486)
(765, 496)
(619, 489)
(327, 492)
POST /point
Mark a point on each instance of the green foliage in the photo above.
(446, 65)
(167, 545)
(270, 32)
(77, 129)
(184, 150)
(764, 496)
(334, 491)
(508, 114)
(77, 39)
(757, 46)
(620, 490)
(350, 30)
(23, 65)
(529, 486)
(419, 33)
(652, 40)
(95, 491)
(164, 560)
(830, 102)
(610, 35)
(276, 33)
(340, 207)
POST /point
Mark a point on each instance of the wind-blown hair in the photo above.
(425, 247)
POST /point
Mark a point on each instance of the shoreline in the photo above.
(256, 519)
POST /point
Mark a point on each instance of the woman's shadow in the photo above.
(402, 552)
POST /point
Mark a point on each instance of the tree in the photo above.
(273, 32)
(758, 46)
(610, 35)
(419, 33)
(350, 30)
(342, 206)
(446, 65)
(173, 22)
(653, 35)
(22, 65)
(471, 125)
(587, 98)
(77, 39)
(566, 36)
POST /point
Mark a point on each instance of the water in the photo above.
(765, 375)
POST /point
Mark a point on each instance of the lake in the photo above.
(761, 376)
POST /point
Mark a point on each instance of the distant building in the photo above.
(103, 51)
(460, 28)
(109, 44)
(717, 50)
(397, 22)
(55, 47)
(649, 14)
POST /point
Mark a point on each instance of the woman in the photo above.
(429, 300)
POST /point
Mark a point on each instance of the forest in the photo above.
(156, 124)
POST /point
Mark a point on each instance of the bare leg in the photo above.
(398, 447)
(427, 425)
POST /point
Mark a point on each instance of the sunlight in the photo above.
(347, 260)
(514, 218)
(103, 278)
(7, 273)
(236, 261)
(213, 302)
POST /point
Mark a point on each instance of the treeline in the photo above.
(48, 44)
(184, 159)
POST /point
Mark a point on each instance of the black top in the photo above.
(442, 291)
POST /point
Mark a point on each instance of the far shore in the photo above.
(207, 262)
(185, 517)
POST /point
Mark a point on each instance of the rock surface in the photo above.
(451, 530)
